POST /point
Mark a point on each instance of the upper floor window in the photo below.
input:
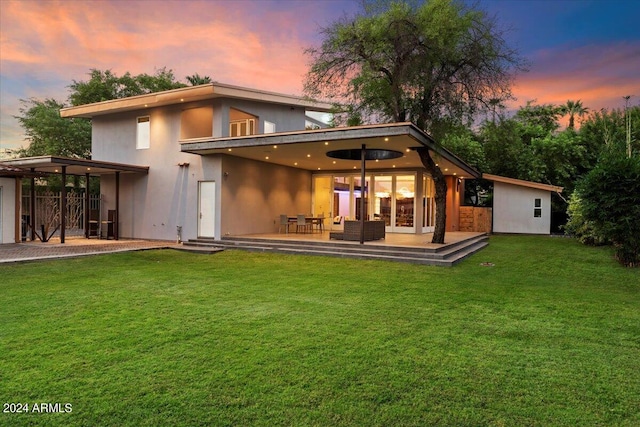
(143, 133)
(241, 123)
(196, 123)
(269, 127)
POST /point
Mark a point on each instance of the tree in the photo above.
(572, 109)
(50, 134)
(433, 63)
(105, 85)
(196, 79)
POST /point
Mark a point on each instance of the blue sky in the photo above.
(577, 49)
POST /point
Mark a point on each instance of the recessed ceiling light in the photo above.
(308, 155)
(229, 149)
(275, 146)
(407, 150)
(295, 164)
(394, 166)
(354, 167)
(181, 99)
(445, 169)
(266, 157)
(326, 143)
(334, 162)
(377, 160)
(386, 139)
(318, 168)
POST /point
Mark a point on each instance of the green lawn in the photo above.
(548, 336)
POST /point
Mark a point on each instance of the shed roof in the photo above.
(522, 183)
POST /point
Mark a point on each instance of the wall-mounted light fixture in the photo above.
(183, 164)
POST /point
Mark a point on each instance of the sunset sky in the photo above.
(577, 49)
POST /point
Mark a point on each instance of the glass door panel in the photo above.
(341, 191)
(429, 205)
(358, 192)
(382, 199)
(405, 201)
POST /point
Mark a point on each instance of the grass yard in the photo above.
(548, 336)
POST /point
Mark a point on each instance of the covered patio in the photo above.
(386, 153)
(64, 166)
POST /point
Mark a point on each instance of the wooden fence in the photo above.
(475, 219)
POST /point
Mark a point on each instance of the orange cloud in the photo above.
(597, 75)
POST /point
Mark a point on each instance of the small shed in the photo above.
(520, 206)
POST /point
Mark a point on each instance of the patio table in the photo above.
(313, 220)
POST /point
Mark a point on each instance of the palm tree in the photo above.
(196, 79)
(573, 108)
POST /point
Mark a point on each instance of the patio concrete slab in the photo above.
(74, 247)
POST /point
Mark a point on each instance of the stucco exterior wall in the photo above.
(249, 198)
(254, 194)
(513, 209)
(7, 211)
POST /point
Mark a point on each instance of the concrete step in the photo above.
(447, 255)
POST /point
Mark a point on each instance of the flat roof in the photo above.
(54, 164)
(7, 171)
(308, 149)
(522, 183)
(190, 94)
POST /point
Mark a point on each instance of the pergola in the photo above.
(65, 166)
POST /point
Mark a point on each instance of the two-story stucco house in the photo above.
(225, 160)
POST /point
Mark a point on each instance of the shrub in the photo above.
(610, 196)
(577, 226)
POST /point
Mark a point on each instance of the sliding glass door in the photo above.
(394, 202)
(388, 197)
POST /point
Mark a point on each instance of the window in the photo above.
(241, 123)
(242, 127)
(143, 135)
(537, 211)
(269, 127)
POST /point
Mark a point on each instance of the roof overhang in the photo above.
(308, 149)
(522, 183)
(54, 164)
(7, 171)
(191, 94)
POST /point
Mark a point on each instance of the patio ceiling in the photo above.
(308, 149)
(54, 164)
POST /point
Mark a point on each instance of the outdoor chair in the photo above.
(302, 223)
(320, 222)
(94, 223)
(284, 222)
(108, 226)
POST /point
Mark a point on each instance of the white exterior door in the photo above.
(206, 208)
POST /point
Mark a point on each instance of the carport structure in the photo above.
(65, 166)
